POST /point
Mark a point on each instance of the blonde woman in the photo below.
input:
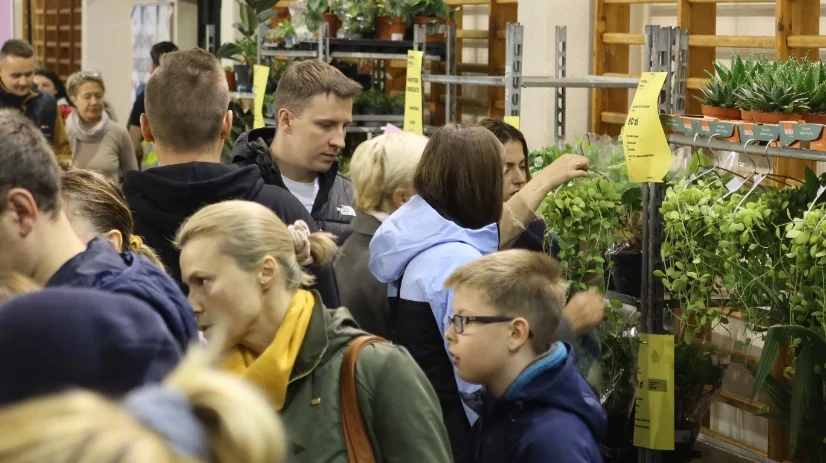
(382, 171)
(198, 416)
(244, 270)
(97, 142)
(96, 207)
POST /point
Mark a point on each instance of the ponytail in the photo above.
(137, 246)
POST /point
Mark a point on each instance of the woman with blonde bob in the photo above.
(198, 416)
(96, 207)
(382, 171)
(97, 142)
(244, 270)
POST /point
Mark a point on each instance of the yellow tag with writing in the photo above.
(413, 91)
(654, 403)
(259, 88)
(512, 121)
(647, 154)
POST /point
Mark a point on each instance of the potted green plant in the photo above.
(269, 106)
(284, 33)
(245, 50)
(392, 19)
(771, 100)
(319, 11)
(719, 96)
(433, 13)
(372, 103)
(231, 83)
(357, 17)
(396, 104)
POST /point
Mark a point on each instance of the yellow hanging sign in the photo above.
(512, 121)
(413, 100)
(259, 88)
(654, 403)
(647, 154)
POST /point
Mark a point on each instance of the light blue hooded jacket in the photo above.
(418, 243)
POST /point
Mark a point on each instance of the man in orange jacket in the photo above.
(17, 91)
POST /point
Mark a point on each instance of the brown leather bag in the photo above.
(359, 448)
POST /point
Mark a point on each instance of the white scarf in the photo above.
(78, 132)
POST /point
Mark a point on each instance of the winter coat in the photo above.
(41, 108)
(101, 267)
(64, 338)
(414, 251)
(163, 197)
(548, 414)
(360, 292)
(333, 209)
(400, 410)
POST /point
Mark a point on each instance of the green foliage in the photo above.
(283, 30)
(315, 10)
(356, 16)
(395, 9)
(721, 91)
(252, 13)
(430, 8)
(243, 50)
(374, 99)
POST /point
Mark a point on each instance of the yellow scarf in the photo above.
(271, 370)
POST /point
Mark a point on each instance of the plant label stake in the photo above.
(413, 93)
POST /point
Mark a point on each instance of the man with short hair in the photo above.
(138, 108)
(37, 239)
(187, 119)
(17, 91)
(314, 105)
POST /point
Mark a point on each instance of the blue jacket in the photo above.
(419, 248)
(548, 414)
(101, 267)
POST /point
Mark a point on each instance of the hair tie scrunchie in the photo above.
(300, 232)
(135, 242)
(169, 413)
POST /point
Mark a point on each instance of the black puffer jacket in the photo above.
(333, 209)
(163, 197)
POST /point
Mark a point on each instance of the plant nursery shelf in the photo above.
(790, 153)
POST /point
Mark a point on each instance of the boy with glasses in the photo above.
(536, 406)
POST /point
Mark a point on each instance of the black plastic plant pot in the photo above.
(626, 275)
(243, 78)
(397, 111)
(371, 111)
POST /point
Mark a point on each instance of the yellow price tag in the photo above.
(259, 88)
(512, 121)
(654, 403)
(647, 154)
(413, 94)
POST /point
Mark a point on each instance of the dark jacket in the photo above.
(548, 414)
(533, 239)
(163, 197)
(41, 108)
(62, 338)
(360, 291)
(400, 411)
(101, 267)
(333, 208)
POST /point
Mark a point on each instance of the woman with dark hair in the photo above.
(516, 175)
(48, 82)
(452, 221)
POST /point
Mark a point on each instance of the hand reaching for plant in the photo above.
(565, 168)
(585, 311)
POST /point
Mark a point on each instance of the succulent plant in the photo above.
(771, 94)
(721, 90)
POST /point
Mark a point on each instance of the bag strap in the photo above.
(358, 444)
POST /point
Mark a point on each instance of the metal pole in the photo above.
(560, 73)
(513, 69)
(259, 42)
(323, 41)
(788, 153)
(450, 69)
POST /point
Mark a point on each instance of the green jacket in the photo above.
(399, 407)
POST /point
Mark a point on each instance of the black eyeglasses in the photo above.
(459, 321)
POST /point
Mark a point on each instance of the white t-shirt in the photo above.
(305, 192)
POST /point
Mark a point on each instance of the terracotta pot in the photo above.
(720, 113)
(746, 116)
(815, 118)
(333, 21)
(390, 28)
(775, 118)
(233, 86)
(439, 37)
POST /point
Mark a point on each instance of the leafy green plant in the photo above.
(394, 9)
(252, 13)
(772, 94)
(315, 9)
(356, 16)
(283, 30)
(373, 99)
(721, 91)
(430, 8)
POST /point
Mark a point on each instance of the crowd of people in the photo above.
(273, 309)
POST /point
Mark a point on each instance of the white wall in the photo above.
(17, 7)
(107, 44)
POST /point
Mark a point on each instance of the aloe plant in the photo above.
(771, 94)
(721, 90)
